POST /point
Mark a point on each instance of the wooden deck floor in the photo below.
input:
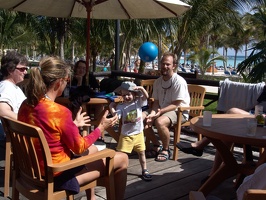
(172, 180)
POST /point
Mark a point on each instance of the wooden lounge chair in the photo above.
(27, 178)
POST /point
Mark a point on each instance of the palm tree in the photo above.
(142, 31)
(196, 22)
(12, 28)
(204, 59)
(255, 64)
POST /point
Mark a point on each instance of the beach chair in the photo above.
(227, 73)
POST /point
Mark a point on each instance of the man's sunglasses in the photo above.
(22, 69)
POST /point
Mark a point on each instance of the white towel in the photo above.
(239, 95)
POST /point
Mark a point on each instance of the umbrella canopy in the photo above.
(99, 9)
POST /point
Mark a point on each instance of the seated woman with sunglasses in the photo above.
(13, 69)
(48, 82)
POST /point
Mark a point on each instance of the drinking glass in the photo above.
(251, 127)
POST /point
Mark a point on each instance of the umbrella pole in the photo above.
(88, 8)
(117, 45)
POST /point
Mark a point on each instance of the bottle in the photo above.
(260, 119)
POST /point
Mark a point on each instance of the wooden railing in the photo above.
(191, 78)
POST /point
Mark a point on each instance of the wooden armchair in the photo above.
(197, 94)
(27, 178)
(148, 86)
(254, 194)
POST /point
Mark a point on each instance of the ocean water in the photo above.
(230, 61)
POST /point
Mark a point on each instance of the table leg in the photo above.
(228, 168)
(114, 134)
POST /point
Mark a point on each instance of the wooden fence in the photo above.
(191, 78)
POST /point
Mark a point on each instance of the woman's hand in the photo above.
(82, 120)
(79, 79)
(107, 122)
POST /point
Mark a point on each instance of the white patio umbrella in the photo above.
(99, 9)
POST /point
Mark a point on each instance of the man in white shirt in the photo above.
(169, 91)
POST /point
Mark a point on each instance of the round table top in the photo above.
(230, 128)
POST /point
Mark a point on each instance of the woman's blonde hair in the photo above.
(41, 78)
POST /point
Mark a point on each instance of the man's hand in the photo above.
(151, 117)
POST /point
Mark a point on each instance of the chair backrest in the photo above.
(148, 85)
(197, 94)
(26, 164)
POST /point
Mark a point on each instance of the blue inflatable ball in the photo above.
(148, 51)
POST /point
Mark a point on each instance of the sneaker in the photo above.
(187, 148)
(146, 175)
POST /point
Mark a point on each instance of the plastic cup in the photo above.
(258, 110)
(207, 118)
(251, 127)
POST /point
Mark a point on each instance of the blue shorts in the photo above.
(68, 181)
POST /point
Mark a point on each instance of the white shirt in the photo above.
(131, 113)
(13, 96)
(168, 91)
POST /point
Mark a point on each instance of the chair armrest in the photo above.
(181, 108)
(106, 153)
(150, 100)
(255, 194)
(196, 195)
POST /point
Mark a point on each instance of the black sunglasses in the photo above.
(22, 69)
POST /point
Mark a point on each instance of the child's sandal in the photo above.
(146, 175)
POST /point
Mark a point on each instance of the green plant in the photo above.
(212, 107)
